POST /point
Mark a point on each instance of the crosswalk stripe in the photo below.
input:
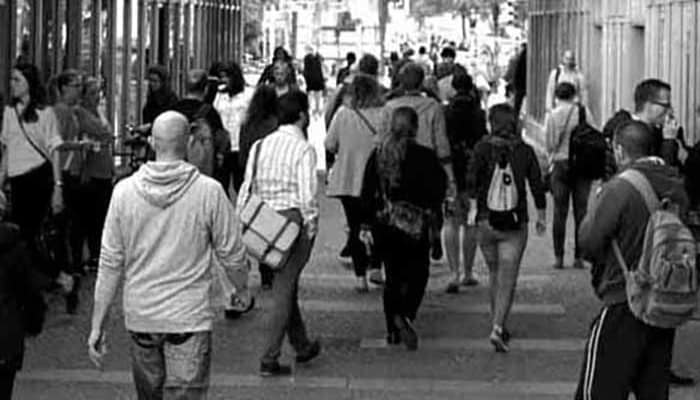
(553, 345)
(340, 383)
(350, 306)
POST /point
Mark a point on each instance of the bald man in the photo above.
(567, 71)
(164, 226)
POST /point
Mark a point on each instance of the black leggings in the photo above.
(7, 382)
(407, 267)
(361, 261)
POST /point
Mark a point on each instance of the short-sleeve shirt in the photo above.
(21, 155)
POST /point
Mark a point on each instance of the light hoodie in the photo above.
(163, 228)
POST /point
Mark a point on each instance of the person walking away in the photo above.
(31, 142)
(353, 135)
(516, 76)
(99, 166)
(652, 106)
(231, 103)
(466, 125)
(260, 121)
(624, 354)
(315, 81)
(20, 294)
(567, 71)
(207, 149)
(407, 177)
(566, 187)
(166, 267)
(210, 137)
(286, 180)
(496, 177)
(431, 133)
(344, 72)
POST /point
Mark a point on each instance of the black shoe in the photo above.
(72, 298)
(407, 332)
(393, 338)
(313, 351)
(274, 369)
(436, 251)
(506, 335)
(678, 380)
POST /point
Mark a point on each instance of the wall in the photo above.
(618, 43)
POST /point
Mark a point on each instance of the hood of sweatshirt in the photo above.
(666, 181)
(163, 183)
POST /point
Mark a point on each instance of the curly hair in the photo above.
(392, 152)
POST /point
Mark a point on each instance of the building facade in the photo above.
(618, 43)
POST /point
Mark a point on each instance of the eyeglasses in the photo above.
(665, 105)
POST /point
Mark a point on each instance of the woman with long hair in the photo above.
(268, 77)
(30, 158)
(99, 165)
(160, 96)
(496, 177)
(403, 183)
(352, 136)
(231, 102)
(260, 121)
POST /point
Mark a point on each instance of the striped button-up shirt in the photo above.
(286, 172)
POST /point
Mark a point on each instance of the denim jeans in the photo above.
(503, 251)
(563, 188)
(171, 366)
(284, 317)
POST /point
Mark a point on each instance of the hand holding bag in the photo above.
(268, 235)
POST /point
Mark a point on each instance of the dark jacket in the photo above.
(619, 213)
(157, 103)
(268, 77)
(465, 122)
(17, 284)
(252, 132)
(423, 182)
(525, 167)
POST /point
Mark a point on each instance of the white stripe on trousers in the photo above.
(592, 355)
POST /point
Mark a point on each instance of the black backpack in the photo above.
(587, 149)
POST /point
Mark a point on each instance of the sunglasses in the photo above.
(661, 104)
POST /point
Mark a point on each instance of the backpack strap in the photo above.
(642, 185)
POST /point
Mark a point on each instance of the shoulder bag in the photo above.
(267, 234)
(366, 121)
(35, 146)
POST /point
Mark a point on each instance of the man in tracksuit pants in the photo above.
(623, 354)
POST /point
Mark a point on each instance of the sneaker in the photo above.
(376, 277)
(558, 263)
(497, 340)
(313, 351)
(393, 339)
(344, 256)
(274, 369)
(452, 288)
(678, 380)
(578, 264)
(470, 281)
(407, 333)
(362, 286)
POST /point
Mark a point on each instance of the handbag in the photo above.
(267, 234)
(406, 218)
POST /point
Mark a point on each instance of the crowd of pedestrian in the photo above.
(419, 167)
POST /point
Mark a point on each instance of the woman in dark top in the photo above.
(260, 121)
(465, 122)
(503, 247)
(160, 97)
(268, 77)
(401, 171)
